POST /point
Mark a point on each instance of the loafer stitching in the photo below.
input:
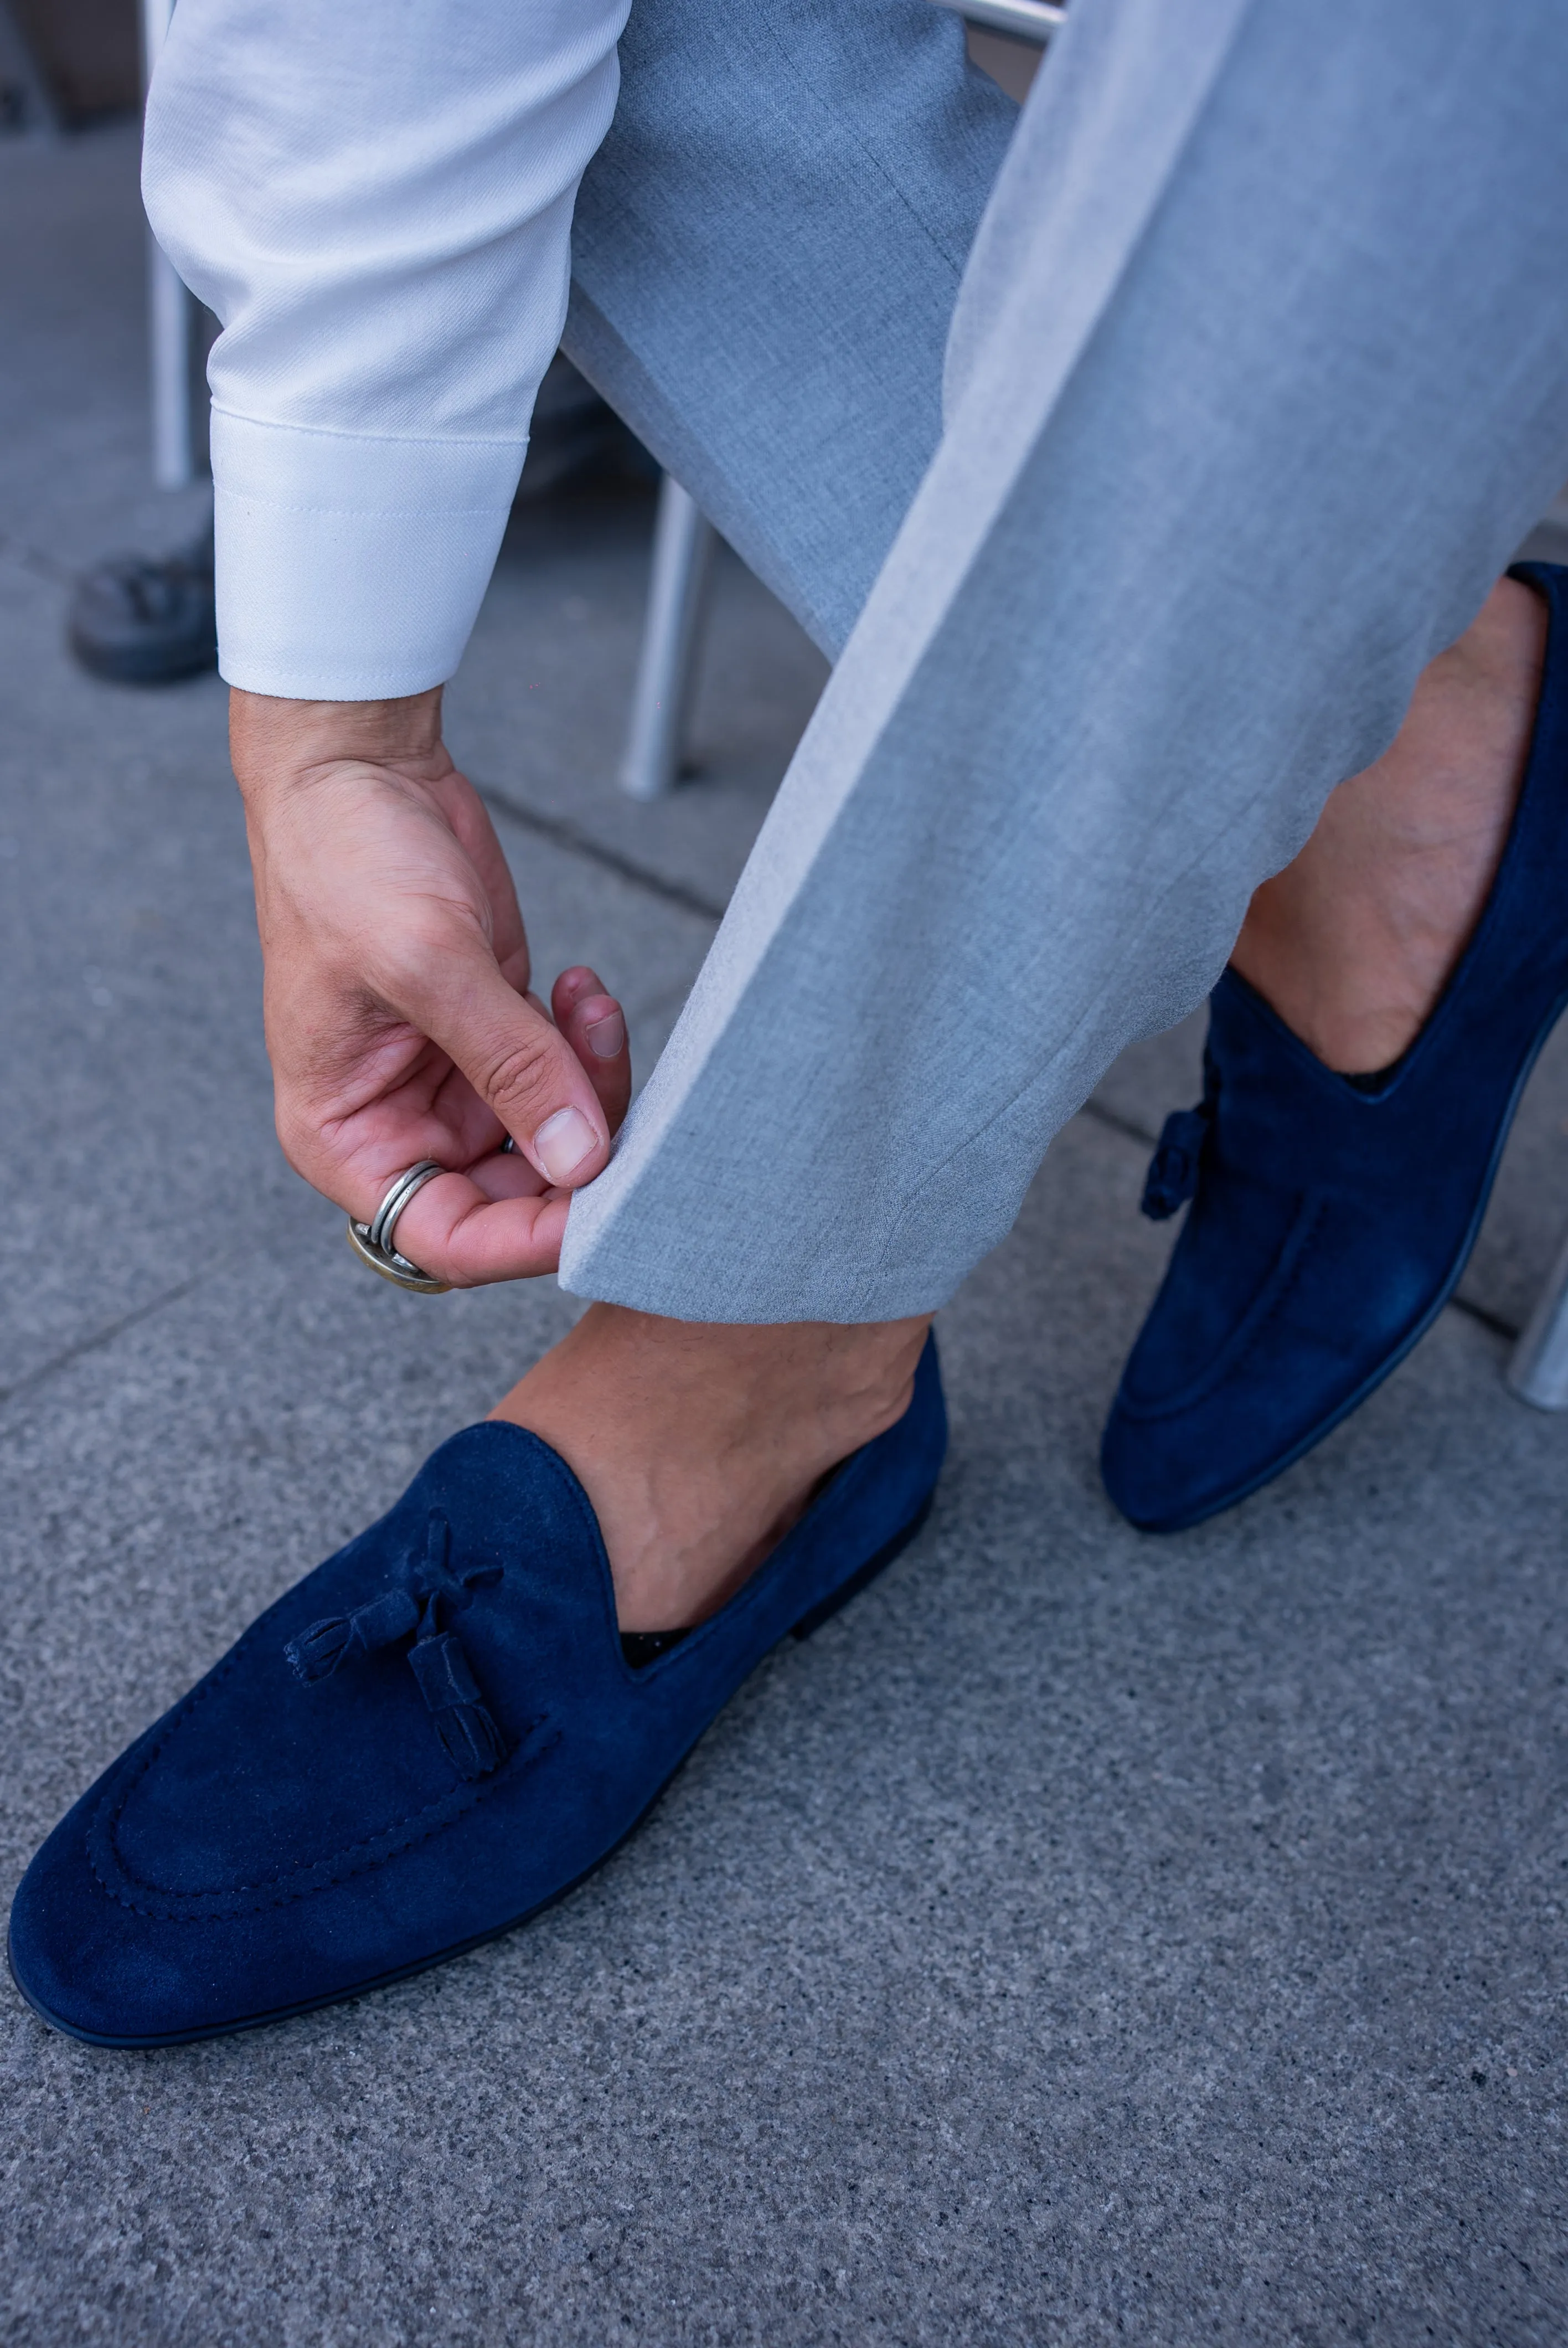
(319, 1875)
(1245, 1337)
(240, 1899)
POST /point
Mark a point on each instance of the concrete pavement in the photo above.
(1083, 1938)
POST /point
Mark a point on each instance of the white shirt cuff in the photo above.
(352, 567)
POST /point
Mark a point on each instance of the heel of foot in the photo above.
(867, 1573)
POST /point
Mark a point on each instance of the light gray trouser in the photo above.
(1258, 372)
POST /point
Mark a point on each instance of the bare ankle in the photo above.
(699, 1444)
(1354, 942)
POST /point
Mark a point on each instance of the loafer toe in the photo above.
(1330, 1219)
(421, 1744)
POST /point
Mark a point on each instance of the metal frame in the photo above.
(683, 541)
(1026, 20)
(1538, 1366)
(170, 316)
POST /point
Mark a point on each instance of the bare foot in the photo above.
(700, 1444)
(1352, 943)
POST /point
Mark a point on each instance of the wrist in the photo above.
(275, 743)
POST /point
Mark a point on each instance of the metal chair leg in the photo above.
(169, 320)
(682, 553)
(1538, 1367)
(170, 316)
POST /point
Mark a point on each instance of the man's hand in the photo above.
(398, 1018)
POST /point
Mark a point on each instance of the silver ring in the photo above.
(371, 1242)
(383, 1223)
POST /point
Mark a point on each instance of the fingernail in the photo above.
(607, 1037)
(562, 1142)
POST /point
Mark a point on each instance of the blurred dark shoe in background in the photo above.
(150, 619)
(147, 619)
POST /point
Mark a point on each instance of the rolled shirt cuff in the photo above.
(351, 568)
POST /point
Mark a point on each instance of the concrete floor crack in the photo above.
(113, 1329)
(564, 834)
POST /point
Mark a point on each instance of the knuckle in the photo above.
(524, 1077)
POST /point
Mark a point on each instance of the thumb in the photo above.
(521, 1066)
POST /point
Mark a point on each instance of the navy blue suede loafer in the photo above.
(1331, 1217)
(426, 1741)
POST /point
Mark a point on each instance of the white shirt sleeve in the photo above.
(375, 199)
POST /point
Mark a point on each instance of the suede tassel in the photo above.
(1172, 1176)
(469, 1737)
(316, 1653)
